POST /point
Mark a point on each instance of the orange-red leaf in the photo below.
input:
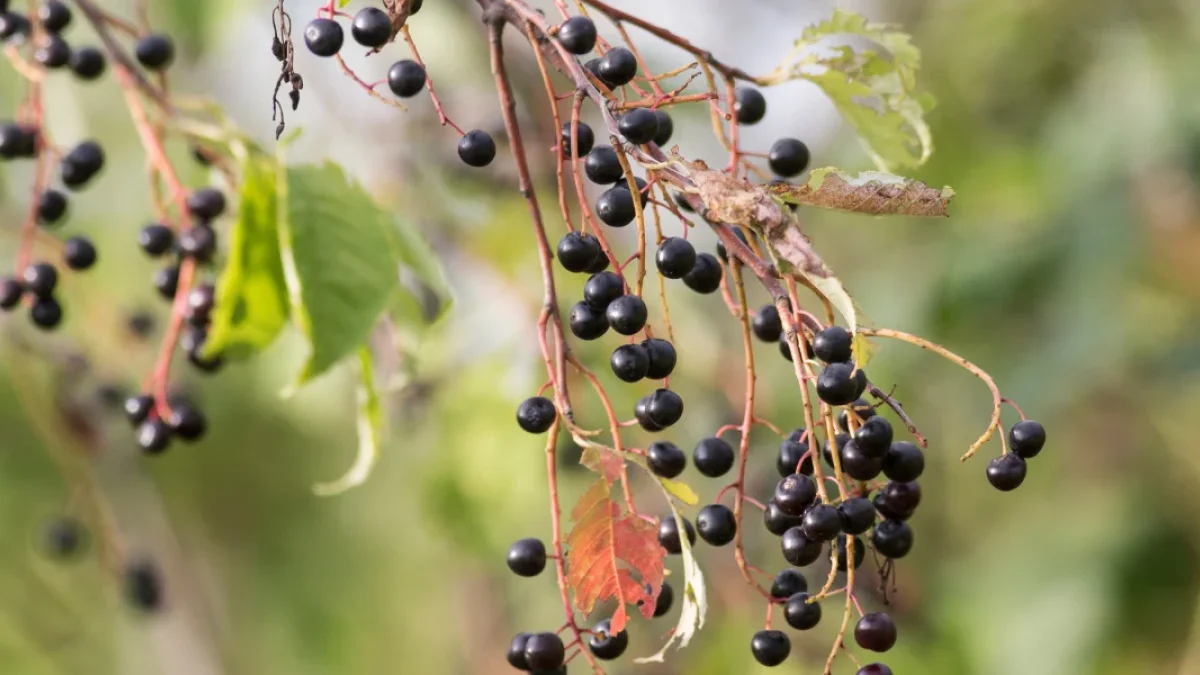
(612, 555)
(603, 461)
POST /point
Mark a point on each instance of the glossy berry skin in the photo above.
(578, 35)
(749, 105)
(776, 521)
(137, 408)
(665, 459)
(788, 583)
(874, 436)
(664, 407)
(713, 457)
(156, 51)
(602, 166)
(1006, 472)
(860, 552)
(785, 348)
(666, 598)
(661, 356)
(800, 613)
(627, 314)
(668, 534)
(11, 292)
(88, 63)
(206, 203)
(156, 239)
(639, 126)
(770, 647)
(602, 288)
(1026, 438)
(615, 207)
(841, 383)
(903, 462)
(53, 52)
(193, 343)
(544, 651)
(766, 324)
(676, 257)
(40, 279)
(629, 363)
(716, 524)
(371, 27)
(52, 206)
(857, 514)
(875, 631)
(822, 522)
(858, 464)
(599, 265)
(617, 67)
(788, 157)
(64, 538)
(641, 412)
(705, 276)
(477, 148)
(536, 414)
(153, 436)
(516, 651)
(80, 164)
(143, 586)
(794, 494)
(46, 313)
(888, 511)
(790, 452)
(577, 251)
(198, 243)
(863, 411)
(833, 344)
(406, 78)
(604, 644)
(584, 137)
(79, 253)
(587, 322)
(17, 141)
(798, 548)
(323, 37)
(527, 557)
(187, 422)
(166, 281)
(666, 128)
(892, 539)
(13, 25)
(903, 497)
(54, 16)
(874, 669)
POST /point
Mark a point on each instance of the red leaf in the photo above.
(612, 555)
(604, 462)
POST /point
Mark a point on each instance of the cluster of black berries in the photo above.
(65, 539)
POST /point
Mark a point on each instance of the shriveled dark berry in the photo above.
(668, 534)
(527, 557)
(587, 322)
(676, 257)
(788, 583)
(583, 136)
(536, 414)
(705, 276)
(770, 647)
(788, 157)
(1026, 438)
(406, 78)
(875, 631)
(749, 105)
(578, 35)
(1006, 472)
(892, 538)
(606, 645)
(602, 166)
(798, 548)
(716, 524)
(800, 613)
(157, 51)
(713, 457)
(662, 358)
(629, 363)
(665, 459)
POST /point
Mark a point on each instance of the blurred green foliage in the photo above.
(1068, 270)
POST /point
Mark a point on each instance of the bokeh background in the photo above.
(1070, 270)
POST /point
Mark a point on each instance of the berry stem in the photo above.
(558, 150)
(368, 87)
(101, 22)
(437, 104)
(29, 226)
(899, 410)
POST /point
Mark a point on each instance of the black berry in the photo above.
(770, 647)
(187, 422)
(206, 203)
(143, 586)
(156, 239)
(587, 322)
(52, 52)
(860, 553)
(749, 105)
(40, 279)
(857, 514)
(141, 324)
(705, 276)
(198, 243)
(664, 407)
(641, 411)
(661, 356)
(766, 323)
(137, 408)
(858, 464)
(716, 524)
(200, 302)
(713, 457)
(903, 462)
(665, 459)
(602, 288)
(536, 414)
(46, 313)
(841, 383)
(638, 126)
(578, 35)
(323, 37)
(11, 292)
(788, 157)
(477, 148)
(874, 436)
(776, 521)
(577, 251)
(668, 534)
(662, 604)
(666, 128)
(1026, 438)
(642, 192)
(544, 651)
(627, 314)
(788, 583)
(166, 281)
(371, 27)
(617, 67)
(584, 137)
(892, 539)
(833, 344)
(1006, 472)
(153, 436)
(874, 669)
(798, 548)
(516, 651)
(676, 257)
(527, 557)
(794, 494)
(602, 166)
(157, 51)
(875, 631)
(615, 207)
(193, 343)
(902, 497)
(800, 613)
(17, 141)
(13, 25)
(822, 522)
(52, 206)
(604, 644)
(54, 16)
(790, 452)
(81, 163)
(406, 78)
(863, 411)
(79, 253)
(88, 63)
(64, 538)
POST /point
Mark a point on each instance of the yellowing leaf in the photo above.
(695, 599)
(871, 192)
(603, 461)
(370, 431)
(680, 490)
(836, 294)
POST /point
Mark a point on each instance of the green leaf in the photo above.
(695, 597)
(252, 298)
(337, 247)
(870, 192)
(370, 430)
(343, 3)
(872, 86)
